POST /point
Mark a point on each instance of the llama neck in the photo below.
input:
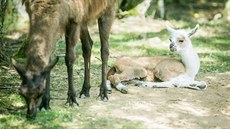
(38, 56)
(40, 48)
(191, 61)
(43, 35)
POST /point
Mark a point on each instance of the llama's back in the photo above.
(149, 63)
(168, 69)
(136, 67)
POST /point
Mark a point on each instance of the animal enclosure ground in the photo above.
(142, 107)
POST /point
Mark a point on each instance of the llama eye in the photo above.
(170, 40)
(181, 41)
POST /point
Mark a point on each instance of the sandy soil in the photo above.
(182, 108)
(170, 107)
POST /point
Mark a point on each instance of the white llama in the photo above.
(172, 72)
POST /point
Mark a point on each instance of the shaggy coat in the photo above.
(48, 20)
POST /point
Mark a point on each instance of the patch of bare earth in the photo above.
(161, 108)
(177, 108)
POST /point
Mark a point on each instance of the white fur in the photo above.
(189, 58)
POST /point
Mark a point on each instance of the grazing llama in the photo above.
(48, 20)
(171, 72)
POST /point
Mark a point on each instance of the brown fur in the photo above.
(48, 20)
(150, 68)
(55, 14)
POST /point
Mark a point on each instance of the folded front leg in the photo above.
(127, 75)
(116, 82)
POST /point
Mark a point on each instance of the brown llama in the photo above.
(48, 20)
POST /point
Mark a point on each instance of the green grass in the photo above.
(215, 54)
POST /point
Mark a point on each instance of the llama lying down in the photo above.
(171, 72)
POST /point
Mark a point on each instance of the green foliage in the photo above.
(21, 51)
(3, 5)
(8, 21)
(11, 16)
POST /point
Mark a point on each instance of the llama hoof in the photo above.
(45, 106)
(124, 90)
(71, 100)
(103, 97)
(140, 83)
(45, 103)
(199, 86)
(144, 84)
(84, 93)
(109, 91)
(83, 96)
(202, 85)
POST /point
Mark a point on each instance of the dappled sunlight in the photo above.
(3, 116)
(226, 111)
(188, 108)
(205, 32)
(16, 103)
(138, 25)
(219, 80)
(144, 106)
(156, 42)
(133, 52)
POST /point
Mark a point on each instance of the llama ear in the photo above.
(170, 29)
(51, 65)
(193, 31)
(19, 68)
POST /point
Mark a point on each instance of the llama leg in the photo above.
(182, 84)
(112, 71)
(127, 75)
(46, 96)
(116, 82)
(86, 48)
(166, 84)
(72, 33)
(104, 24)
(201, 85)
(196, 85)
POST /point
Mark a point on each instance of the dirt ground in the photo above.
(162, 108)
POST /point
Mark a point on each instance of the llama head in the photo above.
(33, 85)
(180, 39)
